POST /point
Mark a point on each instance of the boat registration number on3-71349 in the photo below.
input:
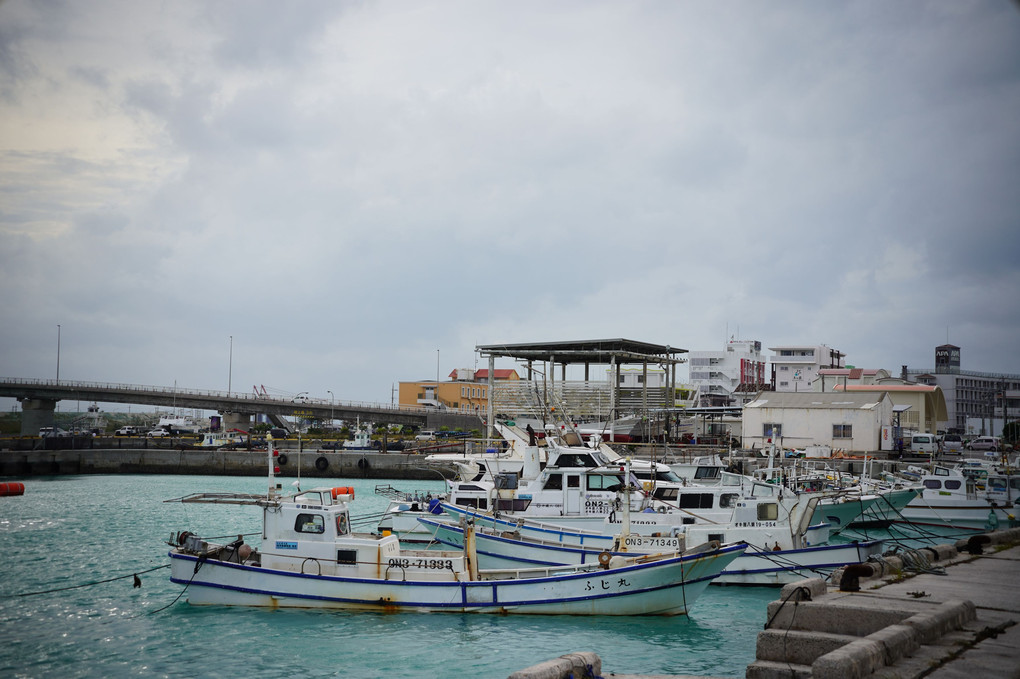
(649, 542)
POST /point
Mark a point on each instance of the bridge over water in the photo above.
(39, 398)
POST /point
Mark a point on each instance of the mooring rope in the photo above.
(90, 584)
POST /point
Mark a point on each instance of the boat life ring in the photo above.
(322, 464)
(604, 558)
(282, 459)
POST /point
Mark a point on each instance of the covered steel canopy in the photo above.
(602, 351)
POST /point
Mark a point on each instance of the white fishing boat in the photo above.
(219, 439)
(578, 487)
(178, 424)
(310, 558)
(965, 497)
(773, 556)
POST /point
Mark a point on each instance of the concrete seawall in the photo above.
(313, 463)
(950, 611)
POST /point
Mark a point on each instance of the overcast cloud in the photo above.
(346, 188)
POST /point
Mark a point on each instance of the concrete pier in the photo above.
(947, 612)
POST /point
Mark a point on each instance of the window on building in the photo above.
(842, 431)
(772, 430)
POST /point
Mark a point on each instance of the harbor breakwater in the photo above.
(311, 463)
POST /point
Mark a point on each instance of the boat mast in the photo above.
(625, 533)
(271, 453)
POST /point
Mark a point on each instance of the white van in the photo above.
(924, 443)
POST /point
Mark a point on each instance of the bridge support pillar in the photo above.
(36, 413)
(236, 421)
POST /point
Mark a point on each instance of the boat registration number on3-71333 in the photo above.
(422, 563)
(649, 542)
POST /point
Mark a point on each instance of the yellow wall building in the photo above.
(466, 392)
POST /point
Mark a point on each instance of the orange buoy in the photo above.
(342, 490)
(12, 488)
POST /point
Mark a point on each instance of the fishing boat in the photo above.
(218, 439)
(309, 557)
(773, 557)
(965, 497)
(579, 486)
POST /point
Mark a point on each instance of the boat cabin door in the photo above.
(572, 494)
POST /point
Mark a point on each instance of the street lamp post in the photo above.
(437, 379)
(230, 367)
(330, 408)
(58, 352)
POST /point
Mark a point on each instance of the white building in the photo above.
(795, 368)
(850, 422)
(831, 378)
(734, 374)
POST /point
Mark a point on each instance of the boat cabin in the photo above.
(310, 532)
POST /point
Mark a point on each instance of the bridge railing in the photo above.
(211, 393)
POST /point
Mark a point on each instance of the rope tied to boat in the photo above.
(137, 583)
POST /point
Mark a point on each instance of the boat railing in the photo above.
(417, 495)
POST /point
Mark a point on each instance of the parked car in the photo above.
(923, 443)
(157, 433)
(425, 435)
(985, 443)
(53, 431)
(952, 443)
(126, 431)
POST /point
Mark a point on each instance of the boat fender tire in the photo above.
(604, 558)
(661, 510)
(322, 464)
(282, 459)
(362, 463)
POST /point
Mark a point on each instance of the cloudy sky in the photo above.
(350, 189)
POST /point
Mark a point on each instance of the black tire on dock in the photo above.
(322, 464)
(282, 459)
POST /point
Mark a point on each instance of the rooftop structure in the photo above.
(623, 393)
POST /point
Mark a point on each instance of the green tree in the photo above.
(1011, 433)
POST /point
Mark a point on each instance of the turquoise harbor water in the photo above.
(72, 530)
